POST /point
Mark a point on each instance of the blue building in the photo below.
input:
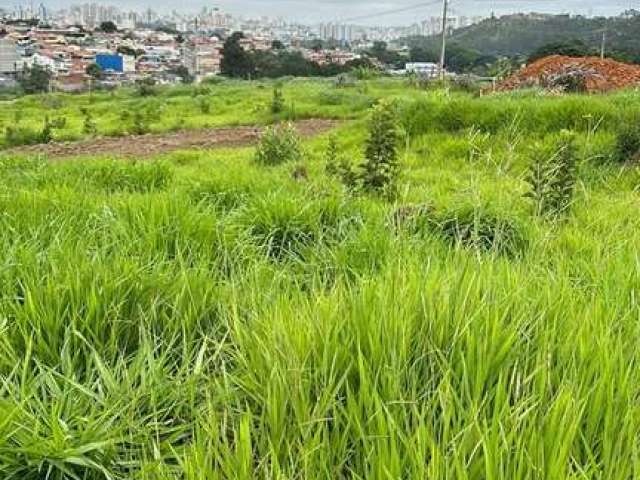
(110, 62)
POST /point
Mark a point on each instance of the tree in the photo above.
(125, 50)
(146, 87)
(380, 52)
(316, 45)
(522, 35)
(94, 71)
(462, 59)
(167, 29)
(108, 27)
(35, 79)
(277, 45)
(380, 170)
(236, 62)
(423, 54)
(571, 48)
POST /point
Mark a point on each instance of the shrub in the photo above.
(300, 173)
(344, 81)
(36, 79)
(139, 123)
(365, 73)
(466, 83)
(339, 167)
(146, 87)
(380, 170)
(46, 135)
(89, 126)
(52, 102)
(204, 106)
(15, 136)
(279, 144)
(628, 144)
(277, 102)
(214, 80)
(356, 101)
(200, 90)
(17, 117)
(552, 176)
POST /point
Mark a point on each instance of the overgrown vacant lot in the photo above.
(204, 315)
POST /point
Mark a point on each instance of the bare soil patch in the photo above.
(154, 144)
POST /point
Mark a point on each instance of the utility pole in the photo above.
(443, 53)
(604, 43)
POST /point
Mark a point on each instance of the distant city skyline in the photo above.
(339, 10)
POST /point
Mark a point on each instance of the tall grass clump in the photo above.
(117, 176)
(552, 175)
(479, 228)
(229, 189)
(285, 227)
(277, 101)
(627, 147)
(279, 144)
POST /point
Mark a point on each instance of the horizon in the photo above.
(377, 14)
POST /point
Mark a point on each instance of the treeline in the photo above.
(526, 36)
(458, 58)
(277, 62)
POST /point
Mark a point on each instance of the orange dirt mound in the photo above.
(593, 74)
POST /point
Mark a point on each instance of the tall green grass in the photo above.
(202, 316)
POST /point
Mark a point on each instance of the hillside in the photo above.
(522, 34)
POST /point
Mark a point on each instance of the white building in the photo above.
(9, 57)
(424, 69)
(337, 31)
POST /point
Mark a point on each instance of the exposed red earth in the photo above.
(597, 75)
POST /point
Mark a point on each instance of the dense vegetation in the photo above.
(522, 35)
(238, 62)
(208, 314)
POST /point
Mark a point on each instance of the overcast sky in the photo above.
(311, 11)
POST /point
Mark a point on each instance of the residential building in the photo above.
(202, 56)
(9, 57)
(423, 69)
(116, 62)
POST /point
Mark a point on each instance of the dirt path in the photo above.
(153, 144)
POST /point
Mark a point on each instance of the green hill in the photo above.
(523, 34)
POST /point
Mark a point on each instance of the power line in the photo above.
(392, 12)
